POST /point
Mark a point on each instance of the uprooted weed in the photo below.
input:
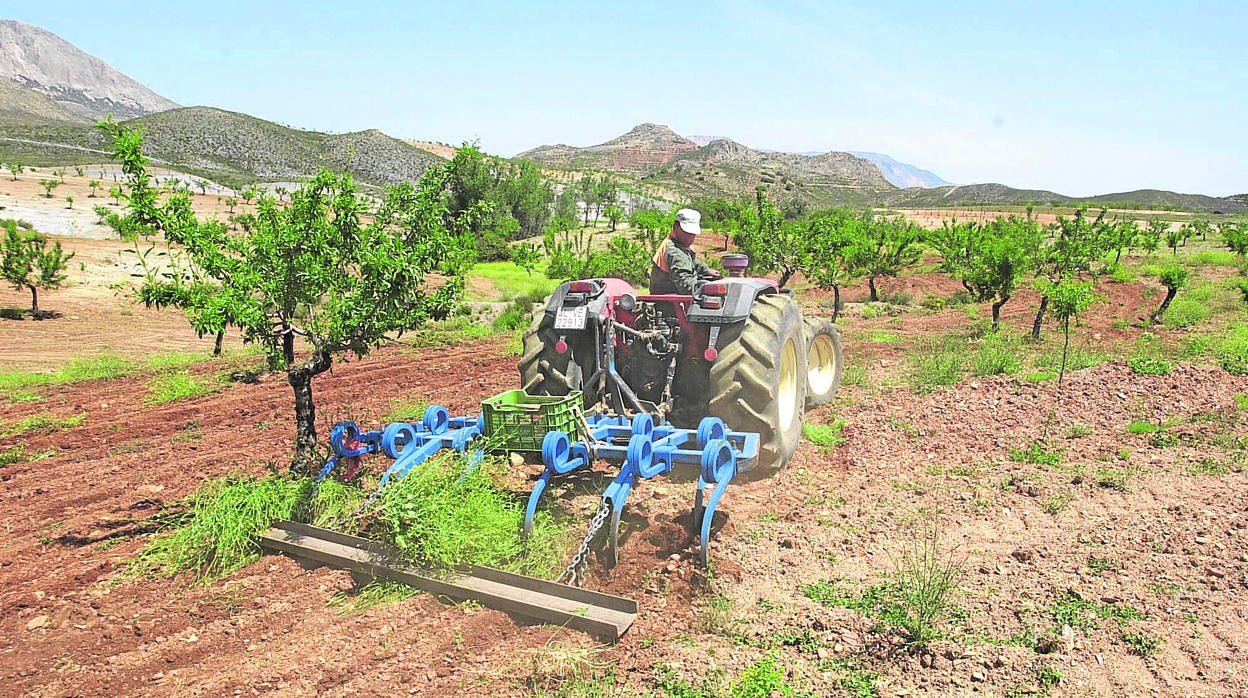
(447, 514)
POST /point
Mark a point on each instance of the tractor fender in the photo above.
(737, 302)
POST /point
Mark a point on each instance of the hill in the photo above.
(655, 154)
(901, 174)
(228, 147)
(637, 153)
(1142, 199)
(85, 85)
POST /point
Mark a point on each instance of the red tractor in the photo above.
(737, 349)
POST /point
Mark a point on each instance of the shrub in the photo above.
(995, 360)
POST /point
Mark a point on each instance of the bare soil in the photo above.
(1121, 519)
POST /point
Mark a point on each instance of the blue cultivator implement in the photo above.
(640, 448)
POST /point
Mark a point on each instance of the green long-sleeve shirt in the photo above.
(676, 269)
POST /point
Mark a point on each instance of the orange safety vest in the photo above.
(660, 255)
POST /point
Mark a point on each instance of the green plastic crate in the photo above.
(521, 420)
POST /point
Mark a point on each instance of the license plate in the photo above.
(571, 318)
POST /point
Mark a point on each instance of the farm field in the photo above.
(1101, 527)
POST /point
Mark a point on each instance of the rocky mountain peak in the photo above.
(85, 85)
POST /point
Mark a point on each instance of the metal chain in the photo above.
(575, 572)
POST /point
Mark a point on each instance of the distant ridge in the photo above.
(990, 194)
(721, 167)
(85, 85)
(902, 174)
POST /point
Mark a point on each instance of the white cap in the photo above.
(689, 221)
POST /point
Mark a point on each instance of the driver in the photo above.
(676, 268)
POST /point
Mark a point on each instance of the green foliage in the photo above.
(217, 531)
(18, 454)
(1173, 277)
(763, 679)
(826, 436)
(375, 593)
(1185, 312)
(916, 598)
(42, 422)
(173, 387)
(935, 365)
(513, 193)
(308, 269)
(1231, 350)
(997, 355)
(1038, 452)
(1142, 644)
(1142, 428)
(75, 371)
(27, 262)
(445, 515)
(1069, 608)
(1149, 366)
(988, 259)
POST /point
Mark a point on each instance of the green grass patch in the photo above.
(826, 436)
(1069, 608)
(1184, 312)
(1038, 452)
(42, 421)
(173, 387)
(935, 365)
(995, 359)
(1077, 359)
(172, 360)
(442, 516)
(376, 593)
(1142, 428)
(457, 330)
(410, 412)
(75, 371)
(1149, 365)
(1123, 274)
(24, 396)
(512, 281)
(18, 454)
(1142, 644)
(881, 337)
(1210, 467)
(1211, 258)
(1231, 350)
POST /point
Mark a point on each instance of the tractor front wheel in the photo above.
(758, 382)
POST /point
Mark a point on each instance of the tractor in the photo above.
(737, 349)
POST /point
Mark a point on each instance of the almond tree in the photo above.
(1068, 297)
(989, 259)
(15, 168)
(1075, 246)
(312, 270)
(832, 235)
(885, 247)
(1173, 278)
(27, 262)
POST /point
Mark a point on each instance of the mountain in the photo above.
(637, 152)
(227, 147)
(657, 155)
(1141, 199)
(85, 85)
(22, 105)
(901, 174)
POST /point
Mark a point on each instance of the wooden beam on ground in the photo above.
(604, 616)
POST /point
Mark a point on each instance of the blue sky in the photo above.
(1077, 97)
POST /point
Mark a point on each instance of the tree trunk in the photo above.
(1118, 256)
(1065, 347)
(34, 302)
(785, 276)
(836, 302)
(216, 347)
(875, 295)
(288, 347)
(1156, 317)
(996, 312)
(305, 461)
(1035, 326)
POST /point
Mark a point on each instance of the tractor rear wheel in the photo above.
(758, 382)
(824, 361)
(544, 371)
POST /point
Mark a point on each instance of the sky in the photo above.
(1079, 97)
